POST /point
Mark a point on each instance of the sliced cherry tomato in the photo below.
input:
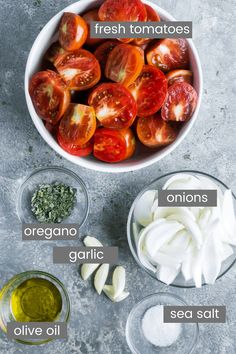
(73, 31)
(113, 145)
(169, 54)
(76, 150)
(153, 16)
(122, 10)
(179, 76)
(124, 64)
(53, 129)
(102, 52)
(92, 15)
(49, 95)
(80, 69)
(114, 105)
(78, 124)
(154, 132)
(54, 52)
(180, 102)
(149, 90)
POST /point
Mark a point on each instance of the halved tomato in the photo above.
(92, 15)
(102, 52)
(124, 64)
(80, 69)
(73, 31)
(154, 132)
(50, 95)
(78, 124)
(169, 54)
(149, 90)
(54, 52)
(114, 105)
(122, 10)
(153, 16)
(180, 102)
(113, 145)
(179, 76)
(76, 150)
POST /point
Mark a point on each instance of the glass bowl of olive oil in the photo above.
(53, 195)
(33, 296)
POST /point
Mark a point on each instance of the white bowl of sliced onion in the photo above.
(168, 133)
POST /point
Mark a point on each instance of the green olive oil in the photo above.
(36, 300)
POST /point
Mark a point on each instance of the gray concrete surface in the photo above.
(97, 325)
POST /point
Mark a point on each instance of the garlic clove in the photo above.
(88, 269)
(91, 241)
(118, 281)
(109, 291)
(101, 277)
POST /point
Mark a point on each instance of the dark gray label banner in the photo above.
(81, 255)
(49, 232)
(36, 330)
(187, 198)
(195, 314)
(163, 29)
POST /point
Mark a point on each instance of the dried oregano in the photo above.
(52, 203)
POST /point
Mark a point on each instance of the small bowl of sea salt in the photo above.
(147, 333)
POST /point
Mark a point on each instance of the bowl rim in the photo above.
(156, 295)
(128, 227)
(97, 165)
(64, 170)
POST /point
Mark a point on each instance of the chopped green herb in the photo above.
(52, 203)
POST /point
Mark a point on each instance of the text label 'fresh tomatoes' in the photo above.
(49, 95)
(180, 102)
(80, 69)
(124, 64)
(73, 31)
(78, 124)
(149, 90)
(114, 105)
(154, 132)
(112, 145)
(169, 54)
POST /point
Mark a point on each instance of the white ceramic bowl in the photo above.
(142, 157)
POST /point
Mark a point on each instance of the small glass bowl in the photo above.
(48, 175)
(13, 283)
(157, 185)
(136, 340)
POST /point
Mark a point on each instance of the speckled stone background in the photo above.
(97, 325)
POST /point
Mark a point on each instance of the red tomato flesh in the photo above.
(49, 95)
(102, 52)
(114, 105)
(154, 132)
(78, 124)
(149, 90)
(124, 64)
(79, 69)
(73, 31)
(113, 145)
(92, 15)
(180, 102)
(122, 10)
(169, 54)
(76, 150)
(152, 16)
(179, 76)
